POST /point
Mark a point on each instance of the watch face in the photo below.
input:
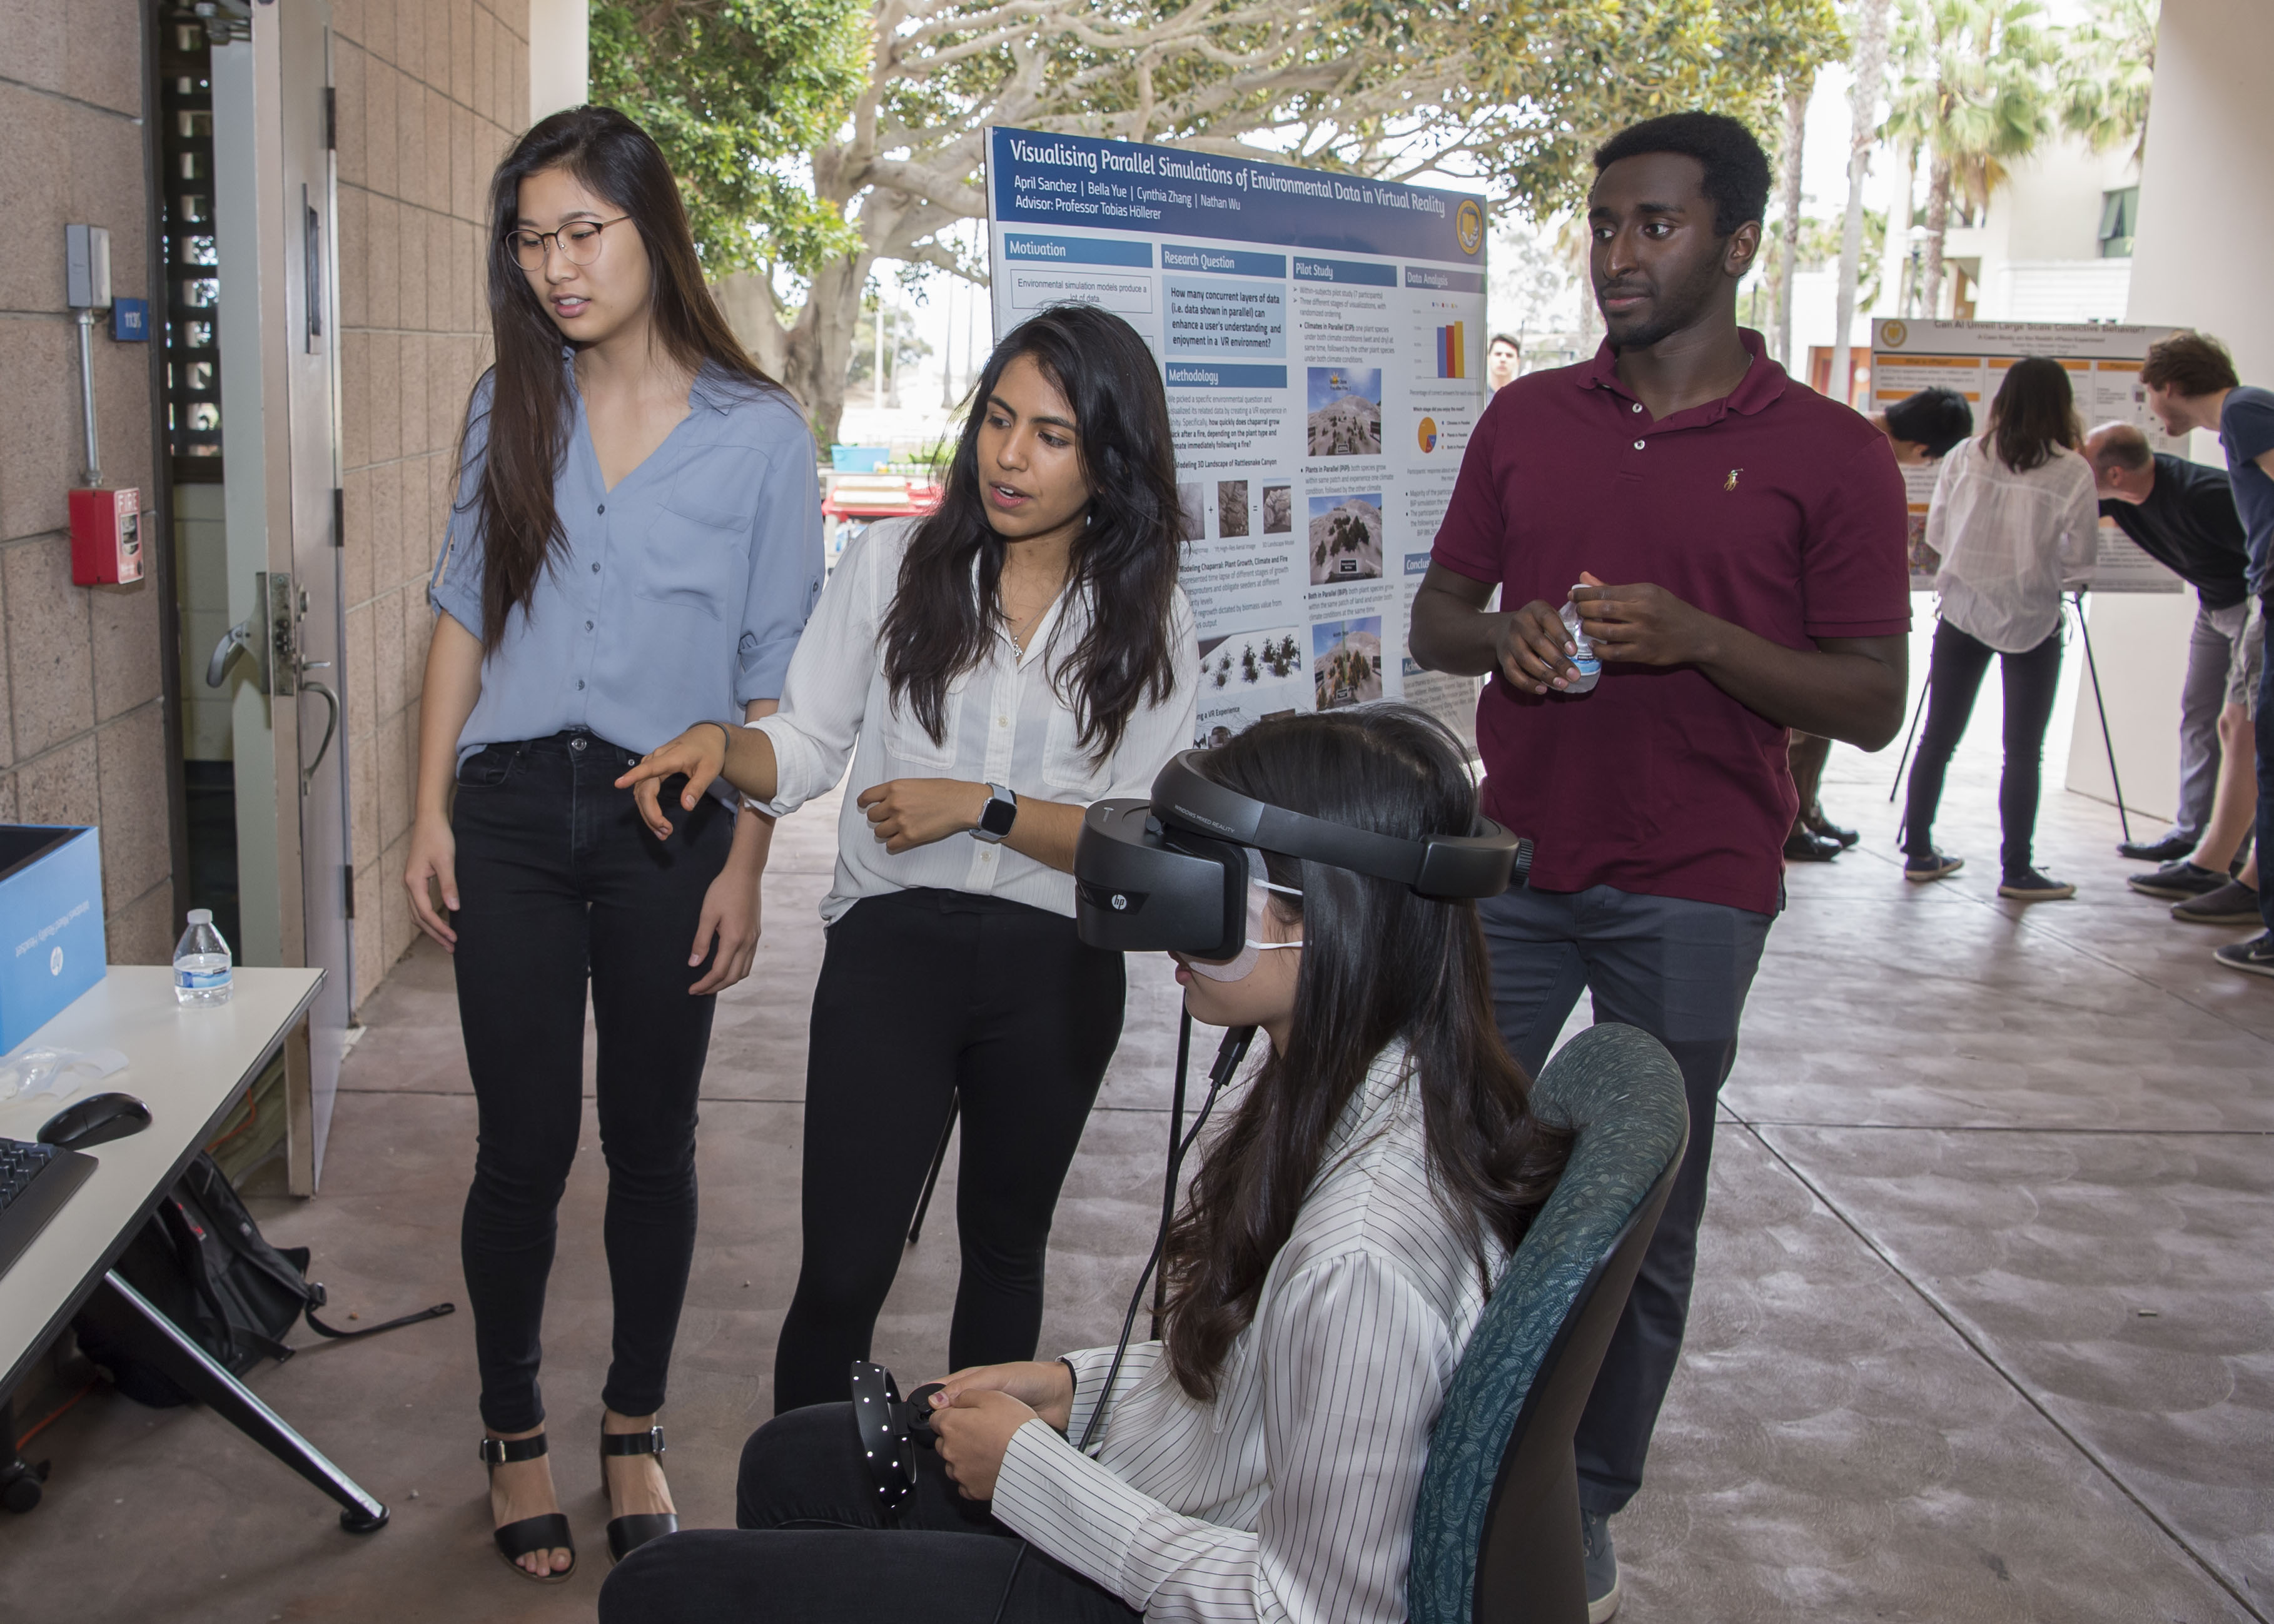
(996, 819)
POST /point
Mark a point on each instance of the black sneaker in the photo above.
(2231, 904)
(1930, 865)
(2257, 956)
(1820, 824)
(2168, 849)
(1803, 845)
(2030, 887)
(2177, 880)
(1602, 1567)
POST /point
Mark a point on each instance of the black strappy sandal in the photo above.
(627, 1533)
(548, 1532)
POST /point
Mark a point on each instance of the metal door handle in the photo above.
(237, 640)
(331, 718)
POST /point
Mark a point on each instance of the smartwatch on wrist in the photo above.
(996, 816)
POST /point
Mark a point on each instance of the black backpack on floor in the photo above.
(203, 1263)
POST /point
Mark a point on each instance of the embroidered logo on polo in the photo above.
(1730, 483)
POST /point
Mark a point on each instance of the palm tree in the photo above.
(2107, 67)
(1797, 90)
(1973, 92)
(1868, 65)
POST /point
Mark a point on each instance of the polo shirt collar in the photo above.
(1763, 383)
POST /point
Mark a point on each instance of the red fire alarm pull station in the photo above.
(106, 530)
(106, 523)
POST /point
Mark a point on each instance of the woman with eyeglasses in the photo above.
(637, 540)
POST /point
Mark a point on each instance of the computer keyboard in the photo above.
(35, 1180)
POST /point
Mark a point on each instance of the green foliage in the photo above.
(1971, 86)
(2107, 69)
(737, 92)
(1558, 79)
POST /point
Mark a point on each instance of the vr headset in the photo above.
(1170, 874)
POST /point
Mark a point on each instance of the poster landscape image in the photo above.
(1345, 539)
(1232, 506)
(1346, 661)
(1247, 676)
(1345, 417)
(1278, 509)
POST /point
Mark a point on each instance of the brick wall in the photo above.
(84, 738)
(431, 93)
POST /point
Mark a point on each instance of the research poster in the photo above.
(2103, 363)
(1321, 338)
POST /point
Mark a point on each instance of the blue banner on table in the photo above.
(1321, 338)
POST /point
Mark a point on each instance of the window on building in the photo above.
(2120, 212)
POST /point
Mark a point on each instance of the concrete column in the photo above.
(2206, 232)
(560, 68)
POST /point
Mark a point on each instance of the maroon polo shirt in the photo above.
(1775, 508)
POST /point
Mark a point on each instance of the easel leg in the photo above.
(2123, 818)
(197, 1372)
(1909, 734)
(938, 1161)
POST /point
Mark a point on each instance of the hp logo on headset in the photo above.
(1120, 903)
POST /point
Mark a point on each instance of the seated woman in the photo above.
(1333, 1255)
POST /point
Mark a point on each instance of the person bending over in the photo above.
(2182, 514)
(1262, 1460)
(1920, 429)
(989, 671)
(1755, 533)
(2191, 384)
(637, 540)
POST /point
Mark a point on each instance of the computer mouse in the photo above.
(96, 1120)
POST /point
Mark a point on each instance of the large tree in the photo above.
(1973, 92)
(870, 146)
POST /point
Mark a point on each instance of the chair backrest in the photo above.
(1496, 1527)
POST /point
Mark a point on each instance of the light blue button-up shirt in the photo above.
(681, 593)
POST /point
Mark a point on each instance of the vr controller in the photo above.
(888, 1429)
(1170, 874)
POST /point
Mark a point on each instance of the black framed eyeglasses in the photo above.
(579, 240)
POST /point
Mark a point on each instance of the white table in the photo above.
(190, 1066)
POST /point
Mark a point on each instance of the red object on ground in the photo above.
(106, 531)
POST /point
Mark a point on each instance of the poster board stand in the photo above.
(2103, 362)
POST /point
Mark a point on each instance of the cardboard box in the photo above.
(51, 947)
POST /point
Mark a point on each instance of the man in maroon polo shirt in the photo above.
(1737, 543)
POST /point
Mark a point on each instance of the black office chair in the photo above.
(1496, 1527)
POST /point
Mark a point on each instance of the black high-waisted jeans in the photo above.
(560, 886)
(1954, 677)
(810, 1545)
(924, 994)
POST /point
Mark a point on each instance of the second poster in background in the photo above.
(1321, 338)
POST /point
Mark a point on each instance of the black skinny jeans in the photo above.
(810, 1547)
(925, 993)
(1954, 679)
(560, 884)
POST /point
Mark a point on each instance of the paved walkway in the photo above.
(1982, 1331)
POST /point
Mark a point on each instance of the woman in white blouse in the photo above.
(2015, 522)
(1334, 1250)
(989, 671)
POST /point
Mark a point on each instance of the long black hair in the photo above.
(529, 410)
(1378, 963)
(946, 606)
(2035, 411)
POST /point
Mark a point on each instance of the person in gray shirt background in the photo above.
(637, 541)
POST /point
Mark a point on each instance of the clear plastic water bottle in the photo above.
(1589, 667)
(201, 962)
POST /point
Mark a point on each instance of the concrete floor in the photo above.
(1982, 1329)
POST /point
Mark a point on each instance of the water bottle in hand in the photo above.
(1589, 667)
(201, 962)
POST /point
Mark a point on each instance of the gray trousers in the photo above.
(2209, 650)
(1679, 971)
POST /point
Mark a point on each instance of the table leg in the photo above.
(206, 1380)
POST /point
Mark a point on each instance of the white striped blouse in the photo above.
(1292, 1496)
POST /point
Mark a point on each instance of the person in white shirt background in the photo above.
(2015, 522)
(1332, 1256)
(989, 671)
